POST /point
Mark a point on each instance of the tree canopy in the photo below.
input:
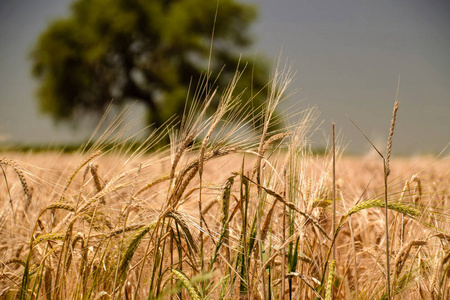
(142, 50)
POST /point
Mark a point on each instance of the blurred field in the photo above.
(359, 265)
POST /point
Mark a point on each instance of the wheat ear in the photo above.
(266, 146)
(266, 224)
(134, 242)
(187, 284)
(77, 169)
(49, 237)
(292, 206)
(97, 180)
(391, 133)
(180, 220)
(417, 180)
(402, 255)
(225, 217)
(180, 152)
(331, 274)
(152, 183)
(403, 208)
(19, 173)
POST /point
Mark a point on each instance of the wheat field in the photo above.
(223, 213)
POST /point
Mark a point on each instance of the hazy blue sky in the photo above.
(348, 55)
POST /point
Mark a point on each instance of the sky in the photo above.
(348, 56)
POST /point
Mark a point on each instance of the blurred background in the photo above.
(348, 56)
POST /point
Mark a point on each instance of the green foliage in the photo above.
(149, 51)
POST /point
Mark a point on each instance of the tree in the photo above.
(144, 50)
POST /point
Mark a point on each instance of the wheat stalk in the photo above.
(333, 224)
(47, 282)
